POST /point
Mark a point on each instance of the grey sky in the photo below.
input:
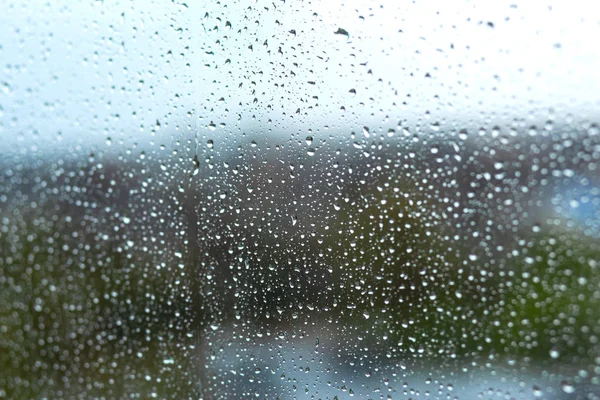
(92, 70)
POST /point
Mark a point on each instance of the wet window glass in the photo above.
(299, 200)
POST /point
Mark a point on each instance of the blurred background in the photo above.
(311, 200)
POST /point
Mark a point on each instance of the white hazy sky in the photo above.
(98, 69)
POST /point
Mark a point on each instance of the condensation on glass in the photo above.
(281, 200)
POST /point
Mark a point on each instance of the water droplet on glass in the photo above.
(567, 387)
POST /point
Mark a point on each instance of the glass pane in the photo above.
(289, 200)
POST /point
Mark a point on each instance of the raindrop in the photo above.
(342, 31)
(567, 387)
(196, 163)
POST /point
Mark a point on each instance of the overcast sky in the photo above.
(82, 72)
